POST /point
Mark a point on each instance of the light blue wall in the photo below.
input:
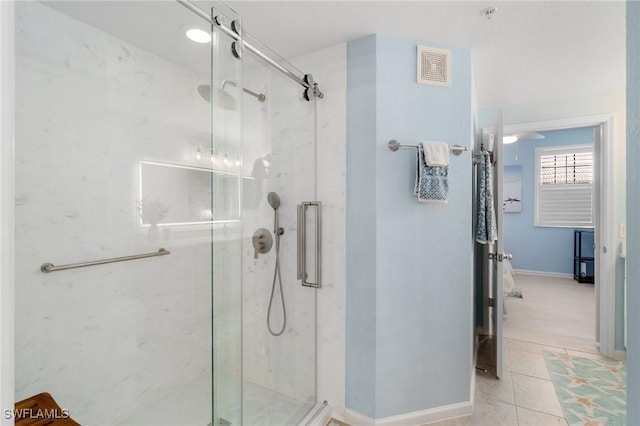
(633, 212)
(423, 325)
(424, 251)
(361, 227)
(538, 248)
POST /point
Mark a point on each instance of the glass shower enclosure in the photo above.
(167, 224)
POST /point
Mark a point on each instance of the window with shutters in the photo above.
(564, 186)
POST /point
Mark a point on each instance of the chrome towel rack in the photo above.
(394, 145)
(50, 267)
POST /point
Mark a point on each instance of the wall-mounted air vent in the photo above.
(434, 66)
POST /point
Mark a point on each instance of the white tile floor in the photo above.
(555, 314)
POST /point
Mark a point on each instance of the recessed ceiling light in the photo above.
(509, 139)
(198, 35)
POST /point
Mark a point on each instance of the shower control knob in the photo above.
(262, 242)
(258, 250)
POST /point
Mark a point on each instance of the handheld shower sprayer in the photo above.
(274, 202)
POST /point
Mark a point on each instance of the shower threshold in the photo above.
(190, 405)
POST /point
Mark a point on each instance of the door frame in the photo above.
(7, 207)
(605, 269)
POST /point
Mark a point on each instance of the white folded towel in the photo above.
(432, 183)
(436, 154)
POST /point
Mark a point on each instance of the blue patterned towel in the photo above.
(486, 231)
(432, 183)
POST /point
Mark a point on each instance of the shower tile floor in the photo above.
(191, 406)
(265, 407)
(188, 405)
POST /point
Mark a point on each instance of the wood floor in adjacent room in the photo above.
(553, 311)
(555, 314)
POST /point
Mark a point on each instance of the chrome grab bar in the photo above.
(302, 243)
(50, 267)
(301, 238)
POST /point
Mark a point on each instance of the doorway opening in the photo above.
(602, 268)
(550, 229)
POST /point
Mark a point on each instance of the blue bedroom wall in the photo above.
(539, 248)
(423, 326)
(633, 212)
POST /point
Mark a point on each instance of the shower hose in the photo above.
(276, 275)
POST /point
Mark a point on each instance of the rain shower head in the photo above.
(204, 90)
(225, 100)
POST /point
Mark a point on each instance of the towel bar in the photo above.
(394, 145)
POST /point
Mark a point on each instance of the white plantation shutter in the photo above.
(564, 186)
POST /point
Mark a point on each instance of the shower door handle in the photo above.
(303, 274)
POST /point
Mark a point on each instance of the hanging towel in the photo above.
(486, 231)
(432, 183)
(436, 154)
(419, 165)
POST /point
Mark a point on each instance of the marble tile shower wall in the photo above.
(109, 339)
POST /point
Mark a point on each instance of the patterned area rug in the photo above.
(591, 392)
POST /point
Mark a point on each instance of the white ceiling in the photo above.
(529, 51)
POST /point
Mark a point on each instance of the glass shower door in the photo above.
(225, 156)
(264, 319)
(279, 314)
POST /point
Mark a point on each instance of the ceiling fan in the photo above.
(514, 137)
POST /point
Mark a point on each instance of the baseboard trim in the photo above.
(338, 413)
(474, 363)
(620, 355)
(415, 418)
(357, 419)
(542, 273)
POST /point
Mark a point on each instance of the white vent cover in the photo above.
(434, 66)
